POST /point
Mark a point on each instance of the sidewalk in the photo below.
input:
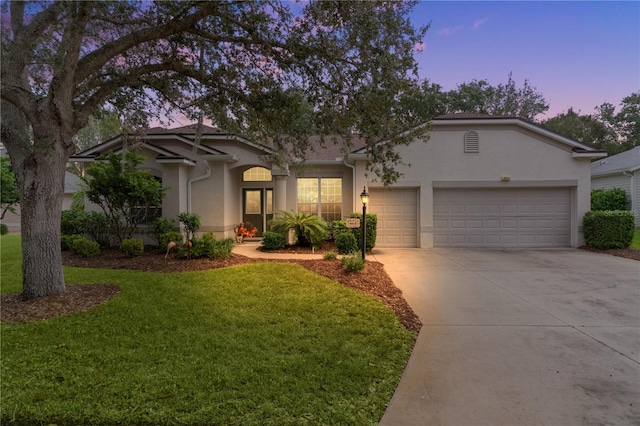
(251, 249)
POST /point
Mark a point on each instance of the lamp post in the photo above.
(364, 197)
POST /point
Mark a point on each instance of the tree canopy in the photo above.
(236, 62)
(608, 129)
(428, 100)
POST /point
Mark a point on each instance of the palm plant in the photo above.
(309, 228)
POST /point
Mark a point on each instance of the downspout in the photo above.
(206, 175)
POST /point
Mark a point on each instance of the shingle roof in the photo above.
(625, 161)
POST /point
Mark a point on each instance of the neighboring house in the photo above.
(71, 185)
(479, 181)
(620, 171)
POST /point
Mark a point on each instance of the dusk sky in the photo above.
(578, 54)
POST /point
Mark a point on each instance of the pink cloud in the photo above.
(478, 23)
(451, 30)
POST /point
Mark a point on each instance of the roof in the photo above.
(627, 161)
(190, 129)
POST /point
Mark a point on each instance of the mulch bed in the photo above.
(373, 281)
(627, 253)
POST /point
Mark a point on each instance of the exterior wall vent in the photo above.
(471, 141)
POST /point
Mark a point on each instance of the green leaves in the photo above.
(125, 194)
(9, 195)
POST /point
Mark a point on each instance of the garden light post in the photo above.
(364, 197)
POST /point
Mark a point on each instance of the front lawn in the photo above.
(266, 343)
(635, 243)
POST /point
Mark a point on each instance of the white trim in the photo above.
(175, 161)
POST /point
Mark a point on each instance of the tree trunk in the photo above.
(39, 166)
(41, 205)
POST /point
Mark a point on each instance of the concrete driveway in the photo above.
(513, 337)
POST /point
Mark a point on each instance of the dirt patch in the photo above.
(627, 253)
(77, 298)
(373, 281)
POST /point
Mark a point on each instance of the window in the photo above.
(321, 196)
(471, 142)
(256, 174)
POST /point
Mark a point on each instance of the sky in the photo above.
(577, 54)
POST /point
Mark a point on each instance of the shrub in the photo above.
(96, 226)
(336, 228)
(159, 227)
(71, 222)
(167, 237)
(4, 229)
(353, 263)
(66, 241)
(127, 195)
(346, 243)
(132, 247)
(330, 255)
(207, 246)
(372, 230)
(273, 240)
(84, 247)
(309, 228)
(608, 229)
(191, 222)
(609, 199)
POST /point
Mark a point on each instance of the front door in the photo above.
(257, 207)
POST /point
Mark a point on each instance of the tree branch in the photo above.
(96, 59)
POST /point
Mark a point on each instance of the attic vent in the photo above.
(471, 142)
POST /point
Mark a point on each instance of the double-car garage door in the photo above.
(525, 217)
(522, 217)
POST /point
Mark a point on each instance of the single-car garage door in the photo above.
(526, 217)
(397, 211)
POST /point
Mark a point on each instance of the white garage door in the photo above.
(531, 217)
(397, 210)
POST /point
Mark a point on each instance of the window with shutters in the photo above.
(471, 141)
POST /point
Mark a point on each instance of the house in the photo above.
(478, 181)
(620, 171)
(71, 186)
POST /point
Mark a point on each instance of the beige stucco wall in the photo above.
(12, 220)
(528, 160)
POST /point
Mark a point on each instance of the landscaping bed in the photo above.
(373, 281)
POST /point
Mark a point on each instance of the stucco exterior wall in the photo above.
(522, 157)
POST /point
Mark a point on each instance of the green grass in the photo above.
(259, 344)
(635, 243)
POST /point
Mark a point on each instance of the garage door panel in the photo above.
(397, 210)
(502, 217)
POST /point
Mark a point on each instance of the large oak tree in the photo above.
(251, 67)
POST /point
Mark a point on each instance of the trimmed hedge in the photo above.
(166, 238)
(608, 229)
(273, 240)
(372, 230)
(84, 247)
(132, 247)
(610, 199)
(346, 243)
(4, 229)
